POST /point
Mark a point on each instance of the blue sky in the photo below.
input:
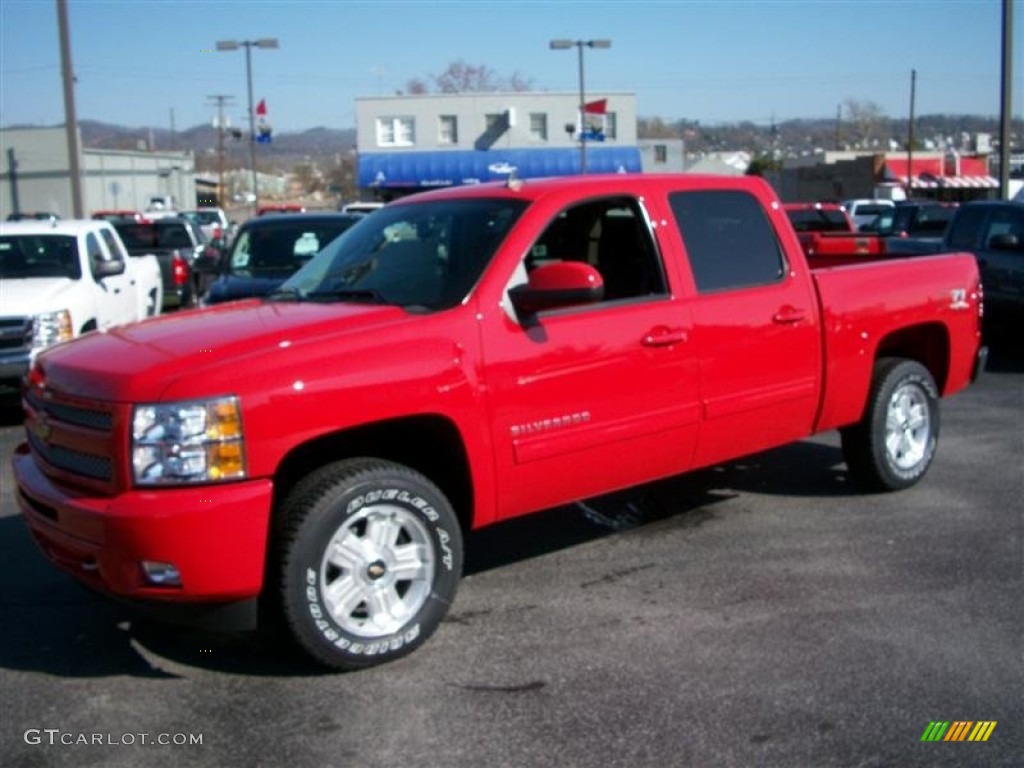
(716, 61)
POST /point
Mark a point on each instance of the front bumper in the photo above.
(215, 535)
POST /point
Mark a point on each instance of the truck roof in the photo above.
(531, 189)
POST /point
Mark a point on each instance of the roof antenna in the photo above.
(513, 182)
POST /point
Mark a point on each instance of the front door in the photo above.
(592, 398)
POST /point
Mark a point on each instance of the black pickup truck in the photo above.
(176, 243)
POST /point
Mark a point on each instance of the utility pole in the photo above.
(839, 130)
(220, 100)
(1006, 101)
(910, 134)
(70, 117)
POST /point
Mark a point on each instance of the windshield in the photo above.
(422, 255)
(280, 246)
(24, 256)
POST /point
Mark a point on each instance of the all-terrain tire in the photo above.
(894, 444)
(367, 561)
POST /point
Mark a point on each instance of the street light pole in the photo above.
(234, 45)
(579, 44)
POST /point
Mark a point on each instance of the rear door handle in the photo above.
(788, 316)
(663, 336)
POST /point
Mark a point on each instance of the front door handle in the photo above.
(788, 316)
(663, 336)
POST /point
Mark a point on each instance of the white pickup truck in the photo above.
(61, 279)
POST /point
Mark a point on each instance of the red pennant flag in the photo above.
(261, 108)
(598, 107)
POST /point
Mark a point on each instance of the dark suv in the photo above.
(268, 250)
(994, 232)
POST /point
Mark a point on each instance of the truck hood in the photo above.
(32, 295)
(140, 362)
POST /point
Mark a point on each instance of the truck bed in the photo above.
(854, 339)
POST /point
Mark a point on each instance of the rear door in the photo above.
(755, 325)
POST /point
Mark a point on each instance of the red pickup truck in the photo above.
(459, 358)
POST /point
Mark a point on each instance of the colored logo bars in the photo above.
(958, 730)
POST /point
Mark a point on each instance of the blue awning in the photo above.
(456, 167)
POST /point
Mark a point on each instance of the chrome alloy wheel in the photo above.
(907, 426)
(377, 571)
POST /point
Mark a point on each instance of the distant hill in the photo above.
(323, 145)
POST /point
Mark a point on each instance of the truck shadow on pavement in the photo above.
(55, 627)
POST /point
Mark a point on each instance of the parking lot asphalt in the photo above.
(764, 612)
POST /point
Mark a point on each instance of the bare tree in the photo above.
(462, 77)
(866, 120)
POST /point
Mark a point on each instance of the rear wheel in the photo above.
(369, 558)
(893, 446)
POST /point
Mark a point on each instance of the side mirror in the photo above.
(103, 269)
(1004, 242)
(561, 284)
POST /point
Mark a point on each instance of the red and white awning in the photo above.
(950, 182)
(940, 173)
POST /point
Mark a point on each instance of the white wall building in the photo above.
(407, 143)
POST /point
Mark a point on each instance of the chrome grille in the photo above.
(15, 332)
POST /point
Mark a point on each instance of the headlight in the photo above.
(188, 442)
(50, 328)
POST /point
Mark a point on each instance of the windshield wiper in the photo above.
(285, 294)
(347, 294)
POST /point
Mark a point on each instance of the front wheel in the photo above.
(369, 558)
(893, 445)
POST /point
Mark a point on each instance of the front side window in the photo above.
(421, 256)
(113, 245)
(396, 131)
(729, 241)
(610, 234)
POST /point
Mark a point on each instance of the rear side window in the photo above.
(728, 238)
(966, 228)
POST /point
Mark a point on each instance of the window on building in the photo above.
(660, 153)
(494, 121)
(395, 131)
(448, 130)
(538, 126)
(610, 126)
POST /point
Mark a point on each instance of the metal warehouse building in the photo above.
(34, 175)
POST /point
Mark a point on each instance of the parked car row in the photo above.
(992, 230)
